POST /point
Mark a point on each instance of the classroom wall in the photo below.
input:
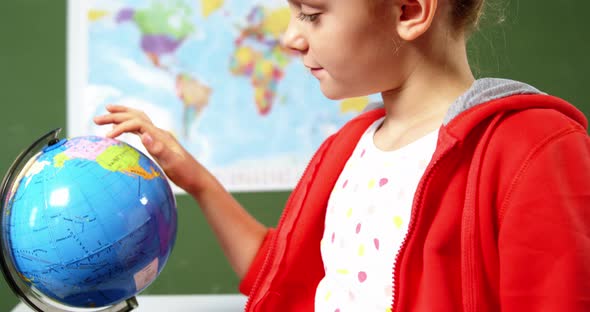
(542, 43)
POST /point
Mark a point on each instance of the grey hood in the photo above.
(481, 91)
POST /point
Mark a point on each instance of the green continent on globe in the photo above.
(109, 155)
(60, 159)
(124, 159)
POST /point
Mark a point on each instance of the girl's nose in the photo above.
(293, 39)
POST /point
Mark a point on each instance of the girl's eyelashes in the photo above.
(308, 17)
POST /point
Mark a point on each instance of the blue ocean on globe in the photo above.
(91, 221)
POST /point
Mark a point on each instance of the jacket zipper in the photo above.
(418, 202)
(269, 254)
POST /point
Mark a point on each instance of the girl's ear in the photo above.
(415, 17)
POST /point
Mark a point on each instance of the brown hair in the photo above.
(465, 14)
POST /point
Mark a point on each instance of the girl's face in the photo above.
(350, 46)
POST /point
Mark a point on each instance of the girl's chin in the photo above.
(338, 94)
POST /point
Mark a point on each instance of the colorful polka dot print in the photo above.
(366, 222)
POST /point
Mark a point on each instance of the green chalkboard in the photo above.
(540, 42)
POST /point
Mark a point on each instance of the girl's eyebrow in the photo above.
(317, 4)
(304, 2)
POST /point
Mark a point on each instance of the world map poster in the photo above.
(213, 73)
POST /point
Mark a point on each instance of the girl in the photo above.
(456, 195)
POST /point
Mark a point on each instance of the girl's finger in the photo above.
(103, 119)
(117, 118)
(118, 108)
(136, 126)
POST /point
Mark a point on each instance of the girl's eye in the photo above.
(308, 17)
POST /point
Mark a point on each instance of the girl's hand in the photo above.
(162, 145)
(239, 234)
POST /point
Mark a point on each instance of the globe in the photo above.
(87, 222)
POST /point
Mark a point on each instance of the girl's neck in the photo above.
(419, 105)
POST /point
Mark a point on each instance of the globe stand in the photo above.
(29, 295)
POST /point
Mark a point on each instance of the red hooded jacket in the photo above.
(500, 219)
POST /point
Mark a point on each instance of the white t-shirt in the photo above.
(366, 222)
